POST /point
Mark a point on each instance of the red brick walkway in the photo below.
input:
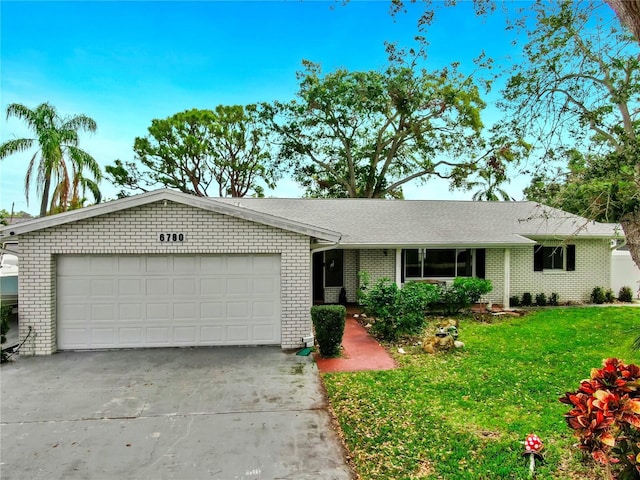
(359, 352)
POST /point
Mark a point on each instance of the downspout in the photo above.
(506, 291)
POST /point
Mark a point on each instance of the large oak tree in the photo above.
(367, 134)
(577, 93)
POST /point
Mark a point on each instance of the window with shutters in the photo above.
(438, 263)
(554, 258)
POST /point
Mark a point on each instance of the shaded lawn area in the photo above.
(465, 415)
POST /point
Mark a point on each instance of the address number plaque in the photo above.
(172, 237)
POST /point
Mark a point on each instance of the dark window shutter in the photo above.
(402, 267)
(481, 256)
(571, 258)
(538, 258)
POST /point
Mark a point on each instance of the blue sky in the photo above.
(126, 63)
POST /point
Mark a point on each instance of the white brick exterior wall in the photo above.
(593, 260)
(593, 269)
(134, 231)
(378, 264)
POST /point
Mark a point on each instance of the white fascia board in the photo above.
(172, 196)
(361, 246)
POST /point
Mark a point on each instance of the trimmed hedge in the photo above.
(328, 323)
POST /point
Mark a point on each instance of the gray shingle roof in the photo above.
(369, 222)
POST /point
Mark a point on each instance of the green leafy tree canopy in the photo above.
(58, 163)
(367, 134)
(577, 93)
(196, 150)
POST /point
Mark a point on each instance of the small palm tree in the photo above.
(490, 187)
(58, 163)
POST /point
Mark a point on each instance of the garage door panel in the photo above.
(158, 336)
(212, 335)
(263, 332)
(130, 265)
(186, 264)
(130, 311)
(266, 264)
(103, 312)
(74, 337)
(102, 265)
(238, 334)
(263, 309)
(158, 287)
(240, 264)
(75, 313)
(184, 335)
(72, 287)
(102, 287)
(213, 287)
(238, 310)
(214, 264)
(102, 337)
(158, 264)
(74, 266)
(185, 312)
(264, 286)
(185, 287)
(131, 337)
(164, 300)
(158, 311)
(238, 286)
(130, 287)
(212, 311)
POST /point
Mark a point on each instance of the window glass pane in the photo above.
(412, 266)
(464, 268)
(553, 258)
(440, 263)
(333, 276)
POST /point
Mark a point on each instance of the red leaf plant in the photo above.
(605, 415)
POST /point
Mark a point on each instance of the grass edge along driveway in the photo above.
(465, 415)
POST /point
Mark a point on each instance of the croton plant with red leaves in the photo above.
(605, 415)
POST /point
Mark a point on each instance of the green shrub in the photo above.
(597, 295)
(625, 294)
(609, 297)
(554, 299)
(397, 311)
(514, 301)
(541, 300)
(463, 292)
(328, 323)
(413, 302)
(527, 299)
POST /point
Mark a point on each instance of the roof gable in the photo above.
(210, 204)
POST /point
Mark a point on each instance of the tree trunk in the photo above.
(628, 12)
(44, 204)
(631, 226)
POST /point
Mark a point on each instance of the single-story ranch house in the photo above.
(165, 269)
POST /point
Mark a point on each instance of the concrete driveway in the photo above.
(194, 413)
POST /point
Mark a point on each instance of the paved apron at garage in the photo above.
(192, 413)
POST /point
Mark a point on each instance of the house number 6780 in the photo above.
(171, 237)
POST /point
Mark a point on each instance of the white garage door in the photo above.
(122, 301)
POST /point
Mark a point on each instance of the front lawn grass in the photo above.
(465, 415)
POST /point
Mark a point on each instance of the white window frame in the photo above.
(421, 257)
